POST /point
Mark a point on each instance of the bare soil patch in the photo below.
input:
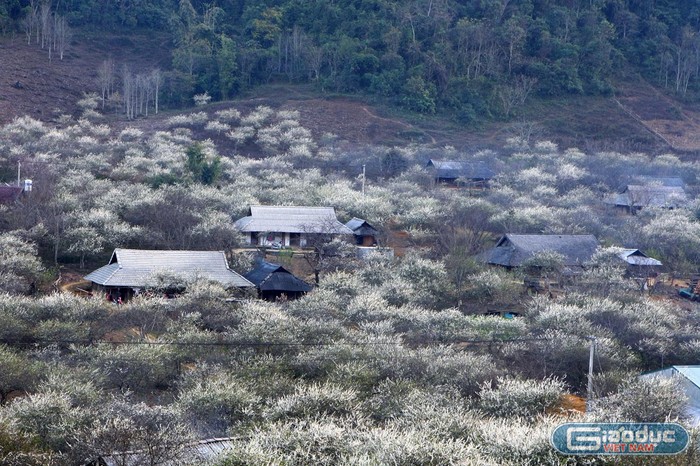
(678, 125)
(33, 85)
(645, 119)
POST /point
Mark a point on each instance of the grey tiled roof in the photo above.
(453, 169)
(649, 196)
(292, 219)
(134, 267)
(273, 277)
(513, 250)
(360, 226)
(662, 181)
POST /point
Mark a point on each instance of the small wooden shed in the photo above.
(365, 234)
(274, 281)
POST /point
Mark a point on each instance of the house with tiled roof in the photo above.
(475, 173)
(365, 234)
(514, 250)
(288, 226)
(130, 271)
(634, 197)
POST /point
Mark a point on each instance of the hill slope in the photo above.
(32, 85)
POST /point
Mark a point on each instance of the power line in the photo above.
(22, 342)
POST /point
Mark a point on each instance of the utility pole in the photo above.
(19, 165)
(364, 174)
(589, 392)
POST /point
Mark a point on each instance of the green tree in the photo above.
(203, 171)
(229, 79)
(419, 95)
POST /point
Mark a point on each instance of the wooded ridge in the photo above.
(475, 60)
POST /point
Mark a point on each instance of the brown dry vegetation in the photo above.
(50, 88)
(638, 118)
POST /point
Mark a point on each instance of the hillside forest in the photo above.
(429, 357)
(474, 61)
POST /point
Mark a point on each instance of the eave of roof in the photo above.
(292, 219)
(134, 268)
(512, 250)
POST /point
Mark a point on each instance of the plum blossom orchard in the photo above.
(390, 361)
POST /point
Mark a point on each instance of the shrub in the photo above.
(201, 99)
(217, 126)
(51, 417)
(20, 267)
(649, 399)
(313, 401)
(321, 441)
(230, 115)
(516, 441)
(215, 399)
(134, 367)
(16, 372)
(523, 398)
(156, 431)
(492, 285)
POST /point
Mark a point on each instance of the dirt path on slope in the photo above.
(676, 124)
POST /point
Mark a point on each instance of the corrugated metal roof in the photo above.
(637, 257)
(453, 169)
(134, 267)
(513, 250)
(691, 373)
(197, 453)
(292, 219)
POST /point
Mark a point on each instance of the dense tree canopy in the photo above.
(469, 58)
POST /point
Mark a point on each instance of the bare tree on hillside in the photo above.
(105, 77)
(128, 92)
(327, 249)
(61, 35)
(45, 23)
(31, 21)
(156, 80)
(140, 92)
(515, 94)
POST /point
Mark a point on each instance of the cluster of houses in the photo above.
(641, 192)
(129, 272)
